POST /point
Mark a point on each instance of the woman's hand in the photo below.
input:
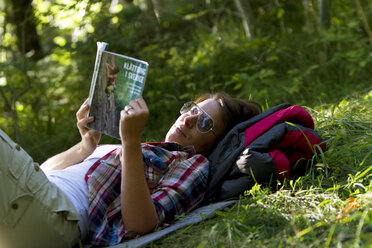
(89, 137)
(133, 119)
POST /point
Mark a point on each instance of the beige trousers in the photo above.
(33, 211)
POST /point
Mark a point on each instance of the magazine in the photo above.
(116, 80)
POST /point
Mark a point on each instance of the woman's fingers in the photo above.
(80, 114)
(137, 106)
(85, 121)
(139, 103)
(82, 119)
(133, 119)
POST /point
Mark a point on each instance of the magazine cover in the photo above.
(117, 79)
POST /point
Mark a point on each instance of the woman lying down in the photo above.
(103, 194)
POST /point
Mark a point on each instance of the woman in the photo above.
(103, 194)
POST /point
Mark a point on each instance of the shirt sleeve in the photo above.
(182, 188)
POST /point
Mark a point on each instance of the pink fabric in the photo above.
(291, 114)
(281, 164)
(301, 141)
(296, 147)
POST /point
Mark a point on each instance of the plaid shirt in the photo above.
(176, 176)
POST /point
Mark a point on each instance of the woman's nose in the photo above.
(190, 120)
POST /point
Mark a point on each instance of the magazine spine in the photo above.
(101, 46)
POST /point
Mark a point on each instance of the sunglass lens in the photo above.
(186, 107)
(205, 123)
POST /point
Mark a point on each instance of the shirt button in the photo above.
(37, 168)
(18, 147)
(14, 206)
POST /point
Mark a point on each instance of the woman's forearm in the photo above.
(138, 210)
(74, 155)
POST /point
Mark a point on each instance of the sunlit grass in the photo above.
(330, 206)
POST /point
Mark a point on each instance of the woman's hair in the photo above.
(234, 110)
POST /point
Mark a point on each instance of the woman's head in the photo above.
(203, 123)
(234, 110)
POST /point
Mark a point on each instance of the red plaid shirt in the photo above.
(177, 179)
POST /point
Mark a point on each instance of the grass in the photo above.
(330, 206)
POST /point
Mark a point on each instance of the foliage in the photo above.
(193, 47)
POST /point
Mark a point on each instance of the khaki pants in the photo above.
(33, 211)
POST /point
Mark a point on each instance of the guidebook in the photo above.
(117, 79)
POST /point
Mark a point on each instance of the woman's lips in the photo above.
(178, 130)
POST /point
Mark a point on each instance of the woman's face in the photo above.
(185, 132)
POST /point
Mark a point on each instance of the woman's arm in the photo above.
(64, 159)
(89, 141)
(138, 210)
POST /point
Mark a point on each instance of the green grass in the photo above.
(330, 206)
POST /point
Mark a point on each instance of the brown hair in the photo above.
(234, 110)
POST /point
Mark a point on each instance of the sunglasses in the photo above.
(204, 122)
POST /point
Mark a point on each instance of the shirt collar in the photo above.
(172, 146)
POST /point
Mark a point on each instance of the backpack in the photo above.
(274, 145)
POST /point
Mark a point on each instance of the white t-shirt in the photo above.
(72, 182)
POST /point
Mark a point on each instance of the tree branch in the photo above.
(244, 18)
(364, 20)
(6, 101)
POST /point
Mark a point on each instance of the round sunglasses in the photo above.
(204, 122)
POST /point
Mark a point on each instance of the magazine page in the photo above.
(119, 80)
